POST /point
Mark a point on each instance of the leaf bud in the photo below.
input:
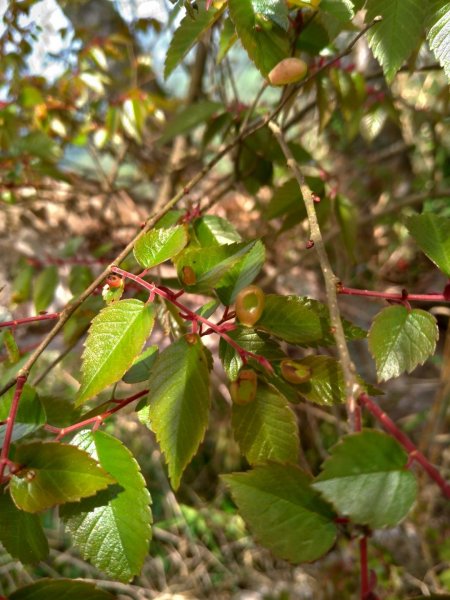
(288, 70)
(249, 305)
(243, 390)
(294, 371)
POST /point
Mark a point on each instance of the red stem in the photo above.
(414, 453)
(4, 461)
(187, 313)
(365, 584)
(26, 320)
(97, 420)
(388, 296)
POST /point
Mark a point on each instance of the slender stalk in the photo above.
(21, 380)
(26, 320)
(331, 281)
(403, 439)
(433, 297)
(365, 584)
(190, 315)
(97, 420)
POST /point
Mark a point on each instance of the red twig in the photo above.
(4, 461)
(414, 453)
(365, 585)
(188, 314)
(97, 420)
(401, 297)
(26, 320)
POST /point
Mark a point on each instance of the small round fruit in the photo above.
(249, 305)
(243, 390)
(114, 281)
(295, 371)
(288, 70)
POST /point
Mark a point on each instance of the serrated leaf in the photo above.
(60, 589)
(284, 512)
(251, 340)
(159, 245)
(187, 34)
(30, 414)
(266, 46)
(188, 118)
(52, 473)
(301, 321)
(395, 37)
(432, 233)
(438, 35)
(114, 537)
(140, 369)
(366, 479)
(266, 429)
(400, 339)
(21, 534)
(241, 274)
(211, 265)
(44, 288)
(211, 230)
(335, 15)
(115, 338)
(179, 402)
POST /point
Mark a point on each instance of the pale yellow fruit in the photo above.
(289, 70)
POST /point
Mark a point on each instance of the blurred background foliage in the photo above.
(93, 139)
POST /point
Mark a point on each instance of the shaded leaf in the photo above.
(188, 118)
(438, 36)
(284, 512)
(366, 479)
(179, 402)
(400, 339)
(60, 589)
(140, 369)
(52, 473)
(112, 537)
(241, 274)
(44, 288)
(266, 429)
(30, 414)
(115, 338)
(21, 533)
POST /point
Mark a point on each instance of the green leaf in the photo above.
(44, 288)
(115, 338)
(114, 537)
(188, 118)
(140, 369)
(438, 24)
(60, 589)
(228, 37)
(400, 339)
(395, 37)
(287, 199)
(265, 45)
(211, 230)
(80, 278)
(251, 340)
(208, 309)
(179, 402)
(366, 479)
(30, 414)
(52, 473)
(241, 274)
(211, 265)
(284, 512)
(11, 347)
(335, 15)
(159, 245)
(188, 33)
(348, 222)
(301, 321)
(266, 429)
(21, 533)
(432, 233)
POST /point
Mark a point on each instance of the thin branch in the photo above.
(21, 380)
(413, 451)
(26, 320)
(331, 281)
(402, 297)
